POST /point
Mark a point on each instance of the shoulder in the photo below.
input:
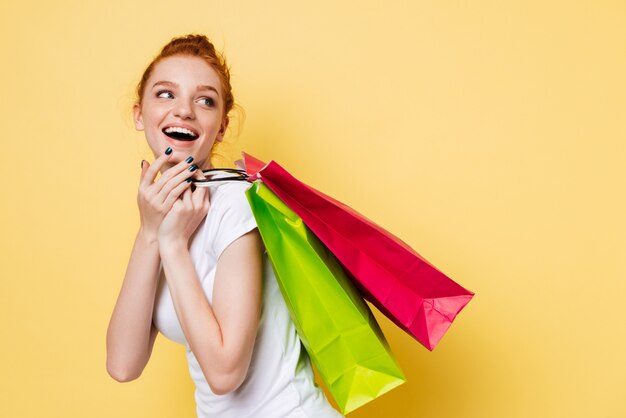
(230, 196)
(230, 215)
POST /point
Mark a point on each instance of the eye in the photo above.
(159, 93)
(208, 101)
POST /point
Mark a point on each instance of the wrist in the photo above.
(172, 246)
(147, 236)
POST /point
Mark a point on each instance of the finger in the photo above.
(145, 166)
(174, 187)
(173, 178)
(187, 201)
(174, 171)
(199, 175)
(174, 196)
(149, 172)
(176, 205)
(198, 196)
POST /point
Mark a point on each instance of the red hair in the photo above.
(196, 46)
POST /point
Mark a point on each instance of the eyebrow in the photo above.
(199, 87)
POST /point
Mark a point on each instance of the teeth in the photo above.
(181, 130)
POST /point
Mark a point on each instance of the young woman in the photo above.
(197, 272)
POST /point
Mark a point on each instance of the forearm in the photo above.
(128, 334)
(196, 316)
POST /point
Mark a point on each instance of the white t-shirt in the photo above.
(280, 380)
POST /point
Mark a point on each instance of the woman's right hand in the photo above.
(155, 199)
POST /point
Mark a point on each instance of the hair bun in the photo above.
(196, 45)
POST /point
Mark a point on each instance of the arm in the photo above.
(131, 333)
(221, 336)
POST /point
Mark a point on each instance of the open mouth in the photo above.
(180, 134)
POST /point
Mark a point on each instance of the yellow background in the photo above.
(489, 135)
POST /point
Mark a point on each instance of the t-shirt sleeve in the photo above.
(233, 218)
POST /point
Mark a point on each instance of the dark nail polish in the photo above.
(142, 163)
(190, 159)
(193, 167)
(188, 179)
(168, 151)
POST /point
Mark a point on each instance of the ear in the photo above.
(222, 131)
(137, 117)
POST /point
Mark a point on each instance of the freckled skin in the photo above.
(182, 104)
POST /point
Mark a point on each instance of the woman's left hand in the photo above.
(185, 215)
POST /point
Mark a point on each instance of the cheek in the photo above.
(155, 113)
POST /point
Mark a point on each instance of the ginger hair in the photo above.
(197, 46)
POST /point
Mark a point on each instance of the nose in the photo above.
(184, 110)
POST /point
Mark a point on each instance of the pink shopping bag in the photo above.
(409, 290)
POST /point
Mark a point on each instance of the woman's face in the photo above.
(183, 108)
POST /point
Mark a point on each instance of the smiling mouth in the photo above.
(181, 136)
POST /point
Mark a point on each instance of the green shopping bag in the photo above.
(334, 323)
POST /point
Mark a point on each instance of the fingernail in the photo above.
(193, 167)
(142, 163)
(168, 151)
(190, 159)
(188, 180)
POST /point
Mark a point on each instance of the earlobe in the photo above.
(222, 131)
(137, 117)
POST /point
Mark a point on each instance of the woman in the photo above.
(197, 271)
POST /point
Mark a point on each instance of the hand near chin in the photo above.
(183, 219)
(156, 197)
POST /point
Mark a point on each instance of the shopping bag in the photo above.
(335, 325)
(404, 286)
